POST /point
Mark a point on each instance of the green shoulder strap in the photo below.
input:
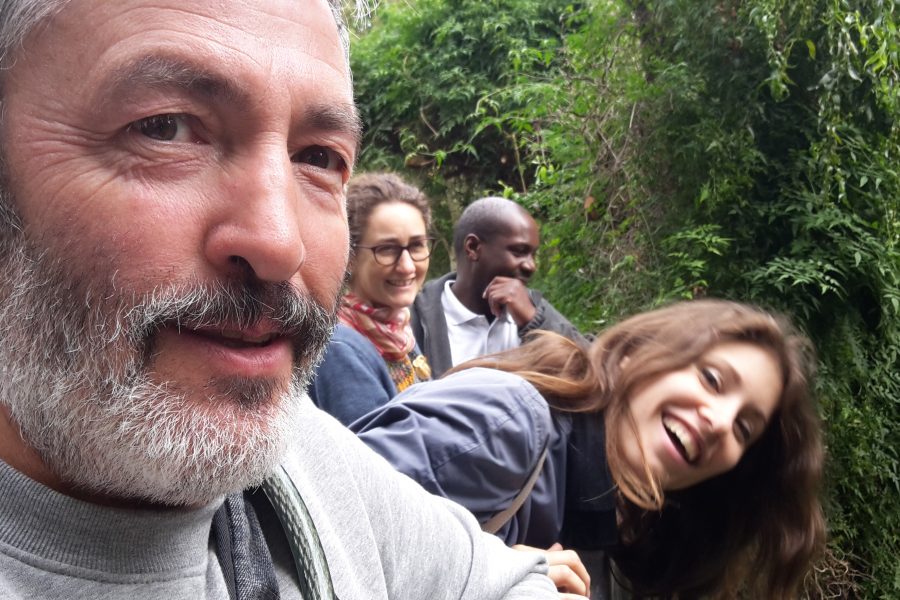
(306, 548)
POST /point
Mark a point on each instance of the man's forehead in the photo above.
(284, 43)
(516, 222)
(292, 23)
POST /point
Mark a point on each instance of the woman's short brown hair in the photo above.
(368, 190)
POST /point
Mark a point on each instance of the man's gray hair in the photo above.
(18, 18)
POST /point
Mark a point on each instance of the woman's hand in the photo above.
(568, 573)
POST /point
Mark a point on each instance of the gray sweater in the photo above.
(384, 537)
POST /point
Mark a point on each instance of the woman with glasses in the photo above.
(373, 353)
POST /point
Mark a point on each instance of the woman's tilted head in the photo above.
(697, 422)
(711, 437)
(691, 379)
(745, 493)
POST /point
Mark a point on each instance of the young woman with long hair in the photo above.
(682, 442)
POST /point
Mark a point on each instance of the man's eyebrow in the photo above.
(161, 71)
(342, 118)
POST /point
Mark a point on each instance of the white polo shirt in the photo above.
(470, 334)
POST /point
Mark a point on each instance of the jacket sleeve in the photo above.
(352, 379)
(385, 537)
(473, 437)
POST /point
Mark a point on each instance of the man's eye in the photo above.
(164, 128)
(521, 251)
(320, 157)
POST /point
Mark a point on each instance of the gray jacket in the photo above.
(430, 325)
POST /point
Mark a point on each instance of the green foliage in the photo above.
(674, 148)
(426, 69)
(431, 81)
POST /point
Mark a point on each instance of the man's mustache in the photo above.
(233, 305)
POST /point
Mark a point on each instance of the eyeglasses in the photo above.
(387, 255)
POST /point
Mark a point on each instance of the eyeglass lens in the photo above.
(390, 253)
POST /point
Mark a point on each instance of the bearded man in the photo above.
(172, 244)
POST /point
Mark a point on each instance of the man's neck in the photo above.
(15, 452)
(470, 298)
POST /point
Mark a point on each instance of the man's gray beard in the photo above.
(74, 359)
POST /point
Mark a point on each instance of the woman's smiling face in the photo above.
(392, 286)
(696, 422)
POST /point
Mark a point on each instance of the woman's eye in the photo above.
(744, 430)
(320, 157)
(165, 128)
(711, 378)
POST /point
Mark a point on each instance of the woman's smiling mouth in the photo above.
(683, 438)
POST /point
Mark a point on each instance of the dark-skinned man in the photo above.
(486, 305)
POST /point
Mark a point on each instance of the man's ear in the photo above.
(351, 268)
(472, 247)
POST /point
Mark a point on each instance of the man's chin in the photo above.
(169, 449)
(120, 414)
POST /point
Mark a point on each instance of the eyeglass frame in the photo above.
(429, 242)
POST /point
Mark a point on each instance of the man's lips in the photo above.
(237, 338)
(261, 350)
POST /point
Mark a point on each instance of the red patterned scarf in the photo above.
(391, 335)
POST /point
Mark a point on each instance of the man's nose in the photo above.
(258, 220)
(529, 265)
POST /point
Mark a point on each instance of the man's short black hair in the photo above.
(485, 218)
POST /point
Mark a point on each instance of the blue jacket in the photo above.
(352, 378)
(475, 436)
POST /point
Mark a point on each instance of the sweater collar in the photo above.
(40, 522)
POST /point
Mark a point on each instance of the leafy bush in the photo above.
(676, 148)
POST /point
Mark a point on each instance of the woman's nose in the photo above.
(719, 415)
(405, 263)
(718, 421)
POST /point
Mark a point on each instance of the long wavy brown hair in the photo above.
(757, 527)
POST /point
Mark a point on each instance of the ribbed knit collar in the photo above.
(39, 523)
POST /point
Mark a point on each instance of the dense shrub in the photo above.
(675, 148)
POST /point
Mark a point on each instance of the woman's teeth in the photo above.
(404, 283)
(683, 439)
